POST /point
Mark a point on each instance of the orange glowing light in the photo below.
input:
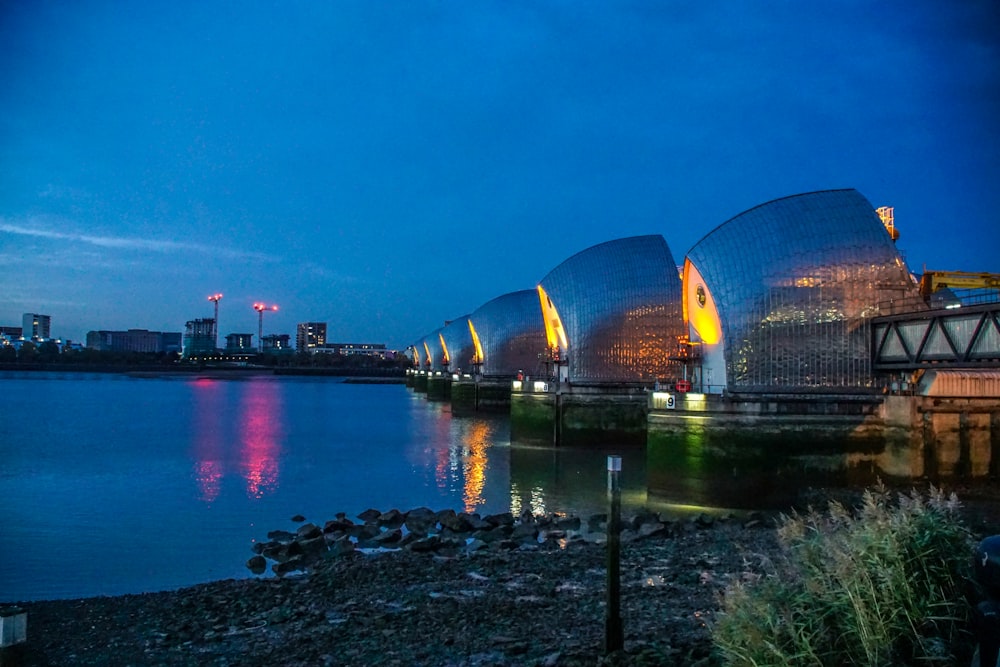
(446, 358)
(555, 334)
(478, 355)
(427, 351)
(699, 308)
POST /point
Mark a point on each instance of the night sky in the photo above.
(385, 166)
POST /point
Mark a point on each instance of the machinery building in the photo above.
(508, 334)
(457, 351)
(779, 298)
(431, 352)
(612, 313)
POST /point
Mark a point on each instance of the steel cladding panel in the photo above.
(620, 305)
(796, 281)
(511, 332)
(433, 343)
(458, 340)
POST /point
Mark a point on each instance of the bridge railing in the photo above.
(942, 300)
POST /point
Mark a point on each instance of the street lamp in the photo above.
(260, 308)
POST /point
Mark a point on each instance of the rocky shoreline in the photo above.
(433, 588)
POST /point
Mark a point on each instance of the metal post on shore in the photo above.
(613, 634)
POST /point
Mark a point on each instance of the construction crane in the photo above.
(215, 322)
(260, 308)
(932, 281)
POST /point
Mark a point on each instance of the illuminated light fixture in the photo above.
(478, 357)
(698, 307)
(427, 351)
(454, 377)
(446, 358)
(540, 387)
(953, 306)
(555, 334)
(516, 385)
(695, 397)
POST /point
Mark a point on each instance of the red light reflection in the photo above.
(261, 428)
(208, 448)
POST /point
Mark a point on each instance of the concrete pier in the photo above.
(470, 394)
(547, 413)
(438, 386)
(420, 382)
(845, 438)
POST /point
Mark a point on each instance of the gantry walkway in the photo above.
(955, 335)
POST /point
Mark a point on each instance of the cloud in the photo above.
(137, 244)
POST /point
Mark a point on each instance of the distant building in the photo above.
(10, 332)
(35, 326)
(309, 336)
(349, 349)
(199, 337)
(240, 343)
(134, 340)
(277, 343)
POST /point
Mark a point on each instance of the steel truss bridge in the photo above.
(962, 337)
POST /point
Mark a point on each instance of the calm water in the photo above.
(111, 484)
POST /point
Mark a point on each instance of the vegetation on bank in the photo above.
(882, 585)
(47, 356)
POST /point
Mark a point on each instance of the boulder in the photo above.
(525, 532)
(425, 544)
(501, 532)
(393, 518)
(308, 531)
(298, 518)
(257, 564)
(340, 547)
(457, 523)
(648, 530)
(422, 514)
(338, 525)
(370, 515)
(290, 565)
(475, 521)
(502, 519)
(280, 536)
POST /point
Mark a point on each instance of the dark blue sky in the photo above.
(386, 166)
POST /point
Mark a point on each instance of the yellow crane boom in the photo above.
(933, 281)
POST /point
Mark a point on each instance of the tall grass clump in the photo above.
(881, 585)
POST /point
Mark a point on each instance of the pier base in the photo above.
(578, 416)
(439, 387)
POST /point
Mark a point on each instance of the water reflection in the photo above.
(208, 470)
(259, 434)
(475, 440)
(261, 430)
(570, 480)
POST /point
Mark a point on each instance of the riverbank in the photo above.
(526, 606)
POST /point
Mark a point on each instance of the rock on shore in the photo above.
(357, 595)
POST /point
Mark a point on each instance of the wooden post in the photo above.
(613, 634)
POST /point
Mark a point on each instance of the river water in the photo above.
(114, 484)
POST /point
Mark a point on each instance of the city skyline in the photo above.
(384, 169)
